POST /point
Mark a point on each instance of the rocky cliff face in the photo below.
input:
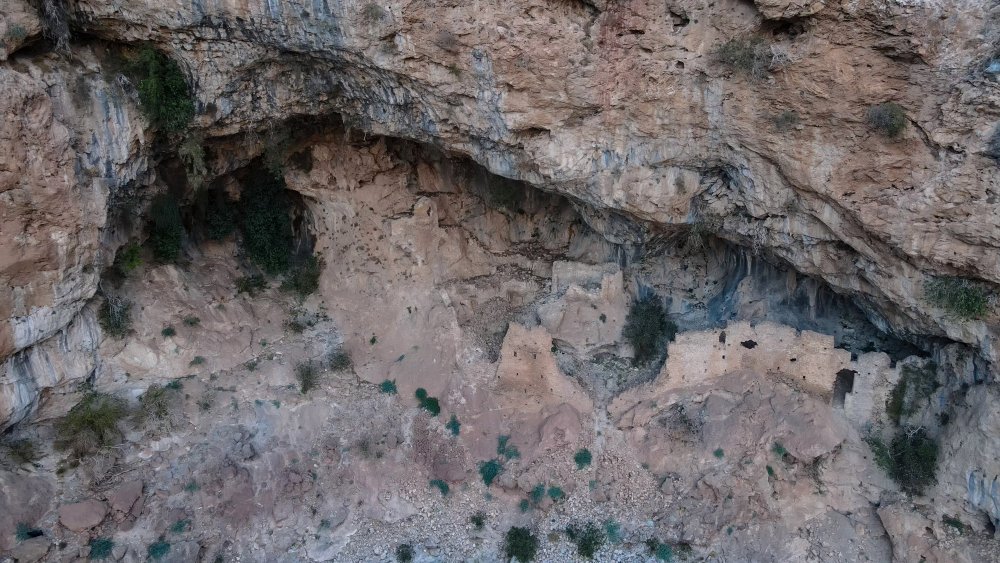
(724, 157)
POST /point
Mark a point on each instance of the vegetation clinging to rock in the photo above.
(910, 459)
(167, 229)
(266, 222)
(115, 316)
(91, 424)
(888, 119)
(647, 329)
(963, 298)
(163, 90)
(588, 538)
(751, 56)
(520, 544)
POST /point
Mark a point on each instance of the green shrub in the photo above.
(166, 232)
(454, 425)
(556, 493)
(181, 526)
(910, 459)
(429, 404)
(340, 361)
(582, 458)
(168, 331)
(192, 321)
(404, 553)
(524, 505)
(889, 119)
(251, 285)
(661, 551)
(115, 316)
(489, 470)
(954, 523)
(192, 486)
(963, 298)
(197, 361)
(613, 530)
(91, 424)
(505, 449)
(158, 550)
(308, 376)
(266, 222)
(915, 385)
(478, 520)
(26, 532)
(751, 56)
(21, 451)
(537, 493)
(303, 279)
(155, 403)
(647, 329)
(101, 548)
(129, 258)
(441, 486)
(216, 213)
(588, 539)
(388, 387)
(163, 91)
(718, 453)
(779, 450)
(520, 544)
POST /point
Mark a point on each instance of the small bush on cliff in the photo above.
(751, 56)
(647, 329)
(157, 402)
(963, 298)
(21, 451)
(428, 403)
(489, 470)
(91, 424)
(910, 459)
(266, 222)
(520, 544)
(129, 258)
(582, 458)
(163, 91)
(101, 548)
(215, 212)
(308, 376)
(303, 279)
(167, 230)
(404, 553)
(115, 316)
(158, 550)
(915, 385)
(588, 538)
(888, 119)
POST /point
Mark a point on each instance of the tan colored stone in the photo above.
(123, 498)
(82, 516)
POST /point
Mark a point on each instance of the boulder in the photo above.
(82, 516)
(123, 498)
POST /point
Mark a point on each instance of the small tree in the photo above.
(889, 119)
(647, 329)
(520, 544)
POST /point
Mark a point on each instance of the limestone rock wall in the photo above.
(624, 105)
